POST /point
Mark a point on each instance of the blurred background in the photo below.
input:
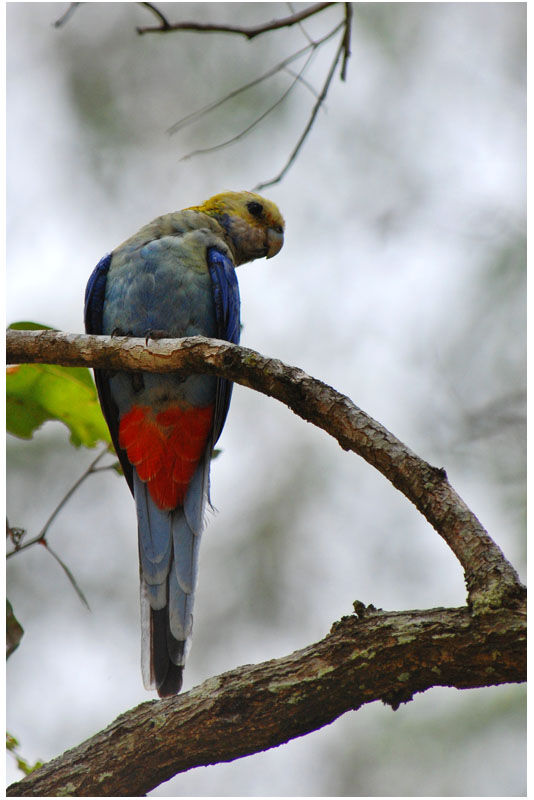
(401, 283)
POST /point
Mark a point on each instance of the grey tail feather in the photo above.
(166, 608)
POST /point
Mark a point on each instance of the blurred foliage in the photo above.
(480, 411)
(36, 393)
(433, 725)
(12, 745)
(14, 630)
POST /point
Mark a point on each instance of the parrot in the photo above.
(175, 277)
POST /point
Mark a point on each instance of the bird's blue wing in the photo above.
(95, 294)
(227, 306)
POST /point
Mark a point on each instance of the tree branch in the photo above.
(195, 116)
(491, 581)
(250, 33)
(377, 656)
(342, 54)
(366, 657)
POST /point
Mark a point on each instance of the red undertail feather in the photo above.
(165, 448)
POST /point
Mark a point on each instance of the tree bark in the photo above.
(490, 579)
(373, 656)
(366, 657)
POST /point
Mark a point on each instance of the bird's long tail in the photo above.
(168, 559)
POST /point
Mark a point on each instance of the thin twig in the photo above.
(301, 26)
(108, 468)
(309, 125)
(344, 49)
(68, 573)
(249, 128)
(302, 81)
(165, 24)
(41, 537)
(196, 115)
(249, 33)
(67, 15)
(346, 40)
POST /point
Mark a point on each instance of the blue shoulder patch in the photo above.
(227, 307)
(95, 293)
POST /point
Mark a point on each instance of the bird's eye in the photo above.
(256, 209)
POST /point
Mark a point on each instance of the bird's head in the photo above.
(253, 225)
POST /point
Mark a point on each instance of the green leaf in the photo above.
(30, 326)
(36, 393)
(12, 745)
(14, 630)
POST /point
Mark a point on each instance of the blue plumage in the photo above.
(174, 278)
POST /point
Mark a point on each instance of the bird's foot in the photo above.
(120, 332)
(157, 334)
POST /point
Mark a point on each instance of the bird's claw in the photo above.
(155, 334)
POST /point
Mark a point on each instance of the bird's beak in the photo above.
(275, 240)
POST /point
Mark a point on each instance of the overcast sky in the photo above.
(401, 283)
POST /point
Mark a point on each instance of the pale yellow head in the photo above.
(253, 224)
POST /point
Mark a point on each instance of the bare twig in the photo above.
(41, 536)
(67, 15)
(196, 115)
(489, 577)
(346, 40)
(67, 572)
(302, 80)
(164, 22)
(343, 49)
(301, 26)
(295, 18)
(307, 129)
(249, 128)
(249, 33)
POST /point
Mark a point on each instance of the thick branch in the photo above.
(491, 581)
(381, 656)
(250, 33)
